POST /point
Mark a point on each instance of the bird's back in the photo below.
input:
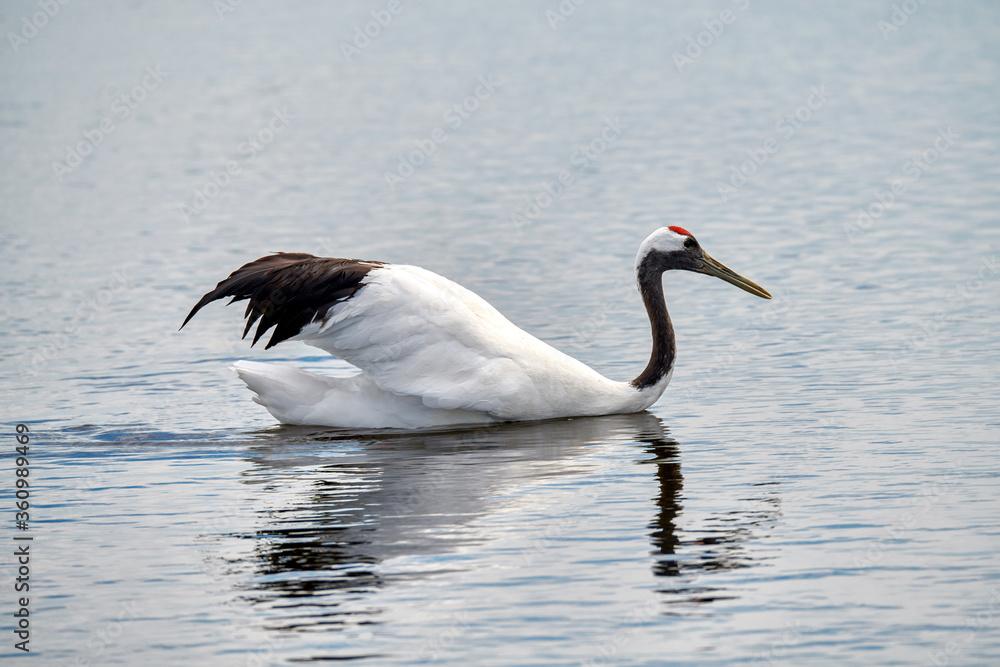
(417, 333)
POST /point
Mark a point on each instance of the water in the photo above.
(818, 485)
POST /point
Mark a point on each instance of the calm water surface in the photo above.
(818, 485)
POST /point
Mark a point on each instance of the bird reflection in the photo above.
(339, 505)
(715, 544)
(664, 530)
(336, 506)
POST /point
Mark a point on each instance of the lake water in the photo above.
(818, 485)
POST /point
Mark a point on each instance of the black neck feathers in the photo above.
(661, 361)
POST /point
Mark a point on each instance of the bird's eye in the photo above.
(690, 243)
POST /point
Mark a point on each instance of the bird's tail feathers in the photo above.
(295, 396)
(287, 392)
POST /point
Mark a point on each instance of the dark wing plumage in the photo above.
(288, 291)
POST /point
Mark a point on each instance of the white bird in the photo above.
(432, 353)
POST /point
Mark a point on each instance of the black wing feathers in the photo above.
(288, 290)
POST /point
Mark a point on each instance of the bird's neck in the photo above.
(661, 361)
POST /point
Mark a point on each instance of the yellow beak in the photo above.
(719, 270)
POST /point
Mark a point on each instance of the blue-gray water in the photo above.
(818, 485)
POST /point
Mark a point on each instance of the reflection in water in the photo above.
(336, 506)
(664, 534)
(717, 546)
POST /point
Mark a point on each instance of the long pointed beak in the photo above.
(716, 268)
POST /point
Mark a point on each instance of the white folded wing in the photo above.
(416, 333)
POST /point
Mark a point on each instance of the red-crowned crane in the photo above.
(432, 353)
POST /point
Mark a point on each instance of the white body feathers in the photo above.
(433, 353)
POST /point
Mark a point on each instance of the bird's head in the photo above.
(676, 248)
